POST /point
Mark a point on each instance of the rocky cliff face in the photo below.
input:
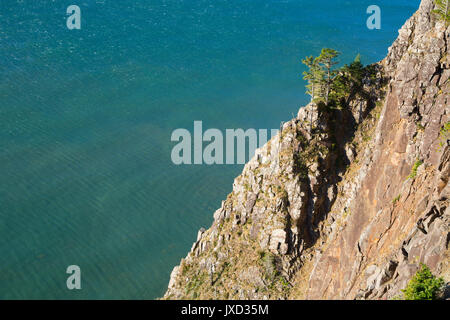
(343, 203)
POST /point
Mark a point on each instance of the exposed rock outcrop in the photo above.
(346, 208)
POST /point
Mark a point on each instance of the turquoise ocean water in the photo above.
(86, 117)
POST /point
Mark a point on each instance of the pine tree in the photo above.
(327, 60)
(314, 76)
(349, 81)
(443, 10)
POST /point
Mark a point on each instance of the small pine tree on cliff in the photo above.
(314, 75)
(321, 74)
(327, 60)
(349, 81)
(443, 10)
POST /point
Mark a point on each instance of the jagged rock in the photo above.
(200, 233)
(350, 152)
(250, 203)
(173, 276)
(278, 241)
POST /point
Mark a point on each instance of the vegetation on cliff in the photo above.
(443, 10)
(423, 286)
(335, 87)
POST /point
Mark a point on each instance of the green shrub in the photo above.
(269, 263)
(300, 166)
(396, 199)
(444, 134)
(445, 129)
(423, 286)
(284, 283)
(413, 173)
(420, 127)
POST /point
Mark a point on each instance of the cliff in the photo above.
(346, 208)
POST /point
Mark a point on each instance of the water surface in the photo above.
(86, 117)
